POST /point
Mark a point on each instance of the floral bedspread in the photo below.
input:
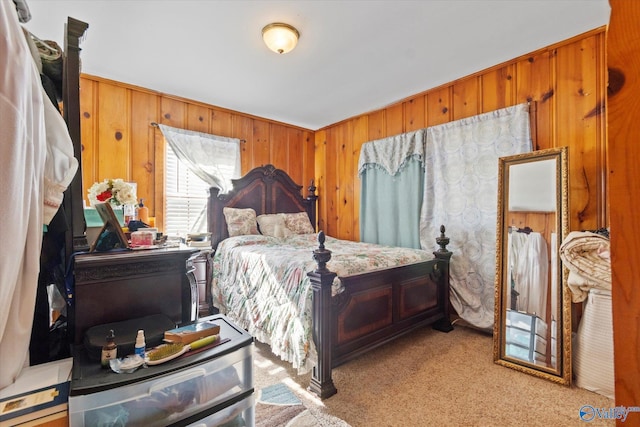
(261, 283)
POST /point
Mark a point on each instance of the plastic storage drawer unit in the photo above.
(209, 384)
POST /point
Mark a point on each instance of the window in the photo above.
(185, 198)
(195, 161)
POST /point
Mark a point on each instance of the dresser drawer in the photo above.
(241, 413)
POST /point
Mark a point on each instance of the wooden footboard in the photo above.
(374, 308)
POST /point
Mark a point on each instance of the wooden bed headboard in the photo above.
(266, 190)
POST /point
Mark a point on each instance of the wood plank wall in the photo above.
(623, 111)
(118, 140)
(566, 80)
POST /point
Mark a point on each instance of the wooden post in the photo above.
(312, 202)
(321, 281)
(443, 254)
(76, 239)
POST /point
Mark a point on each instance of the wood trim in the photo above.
(76, 238)
(533, 123)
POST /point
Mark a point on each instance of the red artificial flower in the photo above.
(105, 195)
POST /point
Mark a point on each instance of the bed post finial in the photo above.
(312, 189)
(443, 241)
(321, 255)
(311, 202)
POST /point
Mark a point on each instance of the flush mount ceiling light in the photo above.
(279, 37)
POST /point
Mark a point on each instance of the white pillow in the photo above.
(282, 231)
(273, 225)
(267, 223)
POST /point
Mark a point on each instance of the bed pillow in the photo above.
(273, 225)
(240, 221)
(298, 223)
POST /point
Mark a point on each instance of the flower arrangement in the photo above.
(114, 191)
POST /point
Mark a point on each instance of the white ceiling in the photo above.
(353, 56)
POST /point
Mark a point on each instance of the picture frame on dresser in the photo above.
(111, 235)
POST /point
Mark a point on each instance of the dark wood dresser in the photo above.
(122, 285)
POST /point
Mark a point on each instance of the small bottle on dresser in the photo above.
(143, 212)
(140, 344)
(109, 350)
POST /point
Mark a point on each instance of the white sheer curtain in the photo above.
(460, 191)
(214, 159)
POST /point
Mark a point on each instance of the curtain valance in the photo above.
(392, 153)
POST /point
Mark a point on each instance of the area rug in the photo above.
(281, 396)
(276, 405)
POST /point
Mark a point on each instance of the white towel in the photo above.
(587, 256)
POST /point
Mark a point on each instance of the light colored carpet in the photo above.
(429, 378)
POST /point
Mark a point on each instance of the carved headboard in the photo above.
(266, 190)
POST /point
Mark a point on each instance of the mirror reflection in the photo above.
(533, 330)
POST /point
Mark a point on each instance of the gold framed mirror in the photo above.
(532, 329)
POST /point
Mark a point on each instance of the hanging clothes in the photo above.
(33, 138)
(529, 272)
(22, 150)
(516, 243)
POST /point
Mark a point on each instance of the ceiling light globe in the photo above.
(280, 38)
